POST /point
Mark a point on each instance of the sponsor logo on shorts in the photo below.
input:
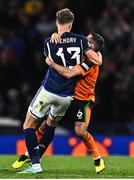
(37, 147)
(79, 114)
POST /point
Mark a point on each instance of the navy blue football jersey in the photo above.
(68, 52)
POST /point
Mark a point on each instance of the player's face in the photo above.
(90, 40)
(89, 36)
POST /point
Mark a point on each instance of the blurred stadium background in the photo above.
(24, 25)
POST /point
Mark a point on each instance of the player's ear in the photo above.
(70, 26)
(93, 46)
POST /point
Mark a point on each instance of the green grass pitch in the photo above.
(72, 167)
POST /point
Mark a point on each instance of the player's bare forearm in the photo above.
(94, 57)
(64, 71)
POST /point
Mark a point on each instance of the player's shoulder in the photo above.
(71, 34)
(81, 37)
(47, 40)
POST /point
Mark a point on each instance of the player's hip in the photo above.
(84, 96)
(81, 110)
(45, 102)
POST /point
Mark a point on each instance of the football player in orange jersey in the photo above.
(84, 96)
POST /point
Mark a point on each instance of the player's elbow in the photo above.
(99, 59)
(100, 62)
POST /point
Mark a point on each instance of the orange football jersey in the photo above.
(85, 87)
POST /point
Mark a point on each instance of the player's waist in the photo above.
(59, 93)
(89, 101)
(84, 98)
(84, 95)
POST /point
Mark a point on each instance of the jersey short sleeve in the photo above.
(85, 45)
(85, 66)
(46, 48)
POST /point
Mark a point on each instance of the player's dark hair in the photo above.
(64, 16)
(99, 41)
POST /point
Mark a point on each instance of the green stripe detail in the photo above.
(85, 112)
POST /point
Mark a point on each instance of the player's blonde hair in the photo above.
(64, 16)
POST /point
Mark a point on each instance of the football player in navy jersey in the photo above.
(55, 93)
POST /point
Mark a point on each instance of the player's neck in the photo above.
(62, 30)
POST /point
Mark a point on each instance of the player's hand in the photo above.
(49, 61)
(55, 38)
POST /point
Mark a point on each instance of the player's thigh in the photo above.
(81, 111)
(52, 122)
(41, 103)
(30, 122)
(80, 128)
(59, 109)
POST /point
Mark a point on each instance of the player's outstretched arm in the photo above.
(64, 71)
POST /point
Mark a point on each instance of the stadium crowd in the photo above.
(25, 24)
